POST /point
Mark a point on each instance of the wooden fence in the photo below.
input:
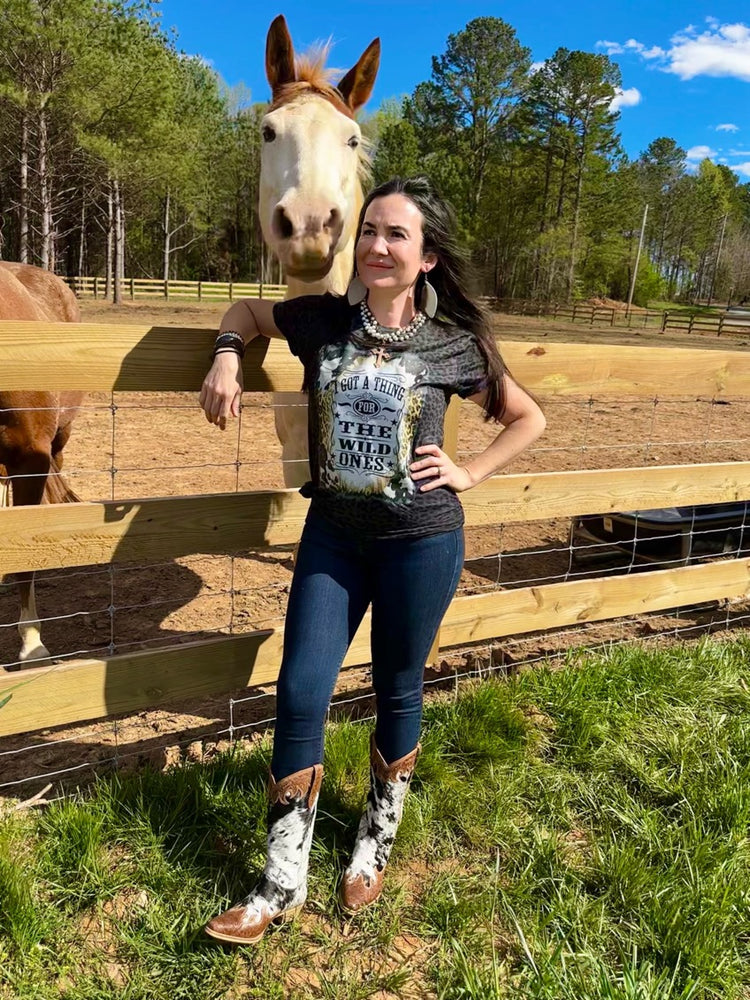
(96, 357)
(719, 323)
(154, 288)
(726, 323)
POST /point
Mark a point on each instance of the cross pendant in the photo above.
(381, 355)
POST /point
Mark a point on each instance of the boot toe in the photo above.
(238, 925)
(358, 891)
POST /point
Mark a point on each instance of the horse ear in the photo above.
(279, 54)
(357, 85)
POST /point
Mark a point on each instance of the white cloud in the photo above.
(696, 153)
(616, 49)
(728, 127)
(719, 50)
(742, 168)
(625, 98)
(536, 66)
(611, 48)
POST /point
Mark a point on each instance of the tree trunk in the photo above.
(46, 253)
(574, 237)
(82, 243)
(23, 202)
(118, 247)
(165, 224)
(109, 276)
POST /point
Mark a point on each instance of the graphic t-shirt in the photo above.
(369, 408)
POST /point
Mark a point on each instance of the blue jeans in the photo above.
(409, 583)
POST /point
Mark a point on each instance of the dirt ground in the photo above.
(149, 444)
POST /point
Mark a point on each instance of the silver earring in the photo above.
(357, 291)
(428, 299)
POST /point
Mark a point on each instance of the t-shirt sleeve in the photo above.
(471, 369)
(308, 322)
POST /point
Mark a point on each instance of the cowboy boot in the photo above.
(363, 879)
(282, 888)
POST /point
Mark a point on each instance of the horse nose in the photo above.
(333, 224)
(282, 225)
(287, 224)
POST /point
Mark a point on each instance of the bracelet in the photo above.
(230, 340)
(226, 350)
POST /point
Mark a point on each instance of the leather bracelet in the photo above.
(226, 350)
(232, 340)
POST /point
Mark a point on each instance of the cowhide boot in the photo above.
(363, 879)
(282, 888)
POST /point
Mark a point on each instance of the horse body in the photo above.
(312, 166)
(34, 426)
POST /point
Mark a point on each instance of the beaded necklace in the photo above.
(383, 335)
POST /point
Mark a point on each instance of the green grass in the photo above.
(579, 833)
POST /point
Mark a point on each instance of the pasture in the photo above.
(572, 834)
(158, 444)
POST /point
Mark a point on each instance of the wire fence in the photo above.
(140, 444)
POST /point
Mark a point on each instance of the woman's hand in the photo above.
(221, 391)
(438, 470)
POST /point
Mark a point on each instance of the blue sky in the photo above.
(685, 66)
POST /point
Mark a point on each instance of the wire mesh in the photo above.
(144, 445)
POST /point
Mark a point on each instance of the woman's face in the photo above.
(389, 248)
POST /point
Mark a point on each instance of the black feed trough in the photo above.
(668, 536)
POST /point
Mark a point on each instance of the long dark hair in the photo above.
(448, 277)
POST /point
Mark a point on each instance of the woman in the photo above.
(385, 524)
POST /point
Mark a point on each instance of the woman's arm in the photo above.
(523, 423)
(221, 391)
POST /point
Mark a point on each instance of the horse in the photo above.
(34, 427)
(313, 164)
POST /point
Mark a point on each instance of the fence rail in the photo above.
(720, 323)
(54, 356)
(156, 288)
(724, 323)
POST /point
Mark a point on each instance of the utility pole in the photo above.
(637, 260)
(716, 262)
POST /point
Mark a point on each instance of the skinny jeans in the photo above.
(409, 582)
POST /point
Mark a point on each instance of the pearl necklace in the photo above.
(389, 336)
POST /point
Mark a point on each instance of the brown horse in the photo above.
(34, 426)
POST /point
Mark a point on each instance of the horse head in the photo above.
(312, 161)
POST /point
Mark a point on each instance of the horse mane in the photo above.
(312, 77)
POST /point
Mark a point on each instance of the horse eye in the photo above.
(353, 142)
(269, 134)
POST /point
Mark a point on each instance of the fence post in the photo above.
(612, 316)
(132, 288)
(166, 288)
(573, 318)
(690, 324)
(721, 324)
(664, 320)
(230, 291)
(200, 289)
(96, 287)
